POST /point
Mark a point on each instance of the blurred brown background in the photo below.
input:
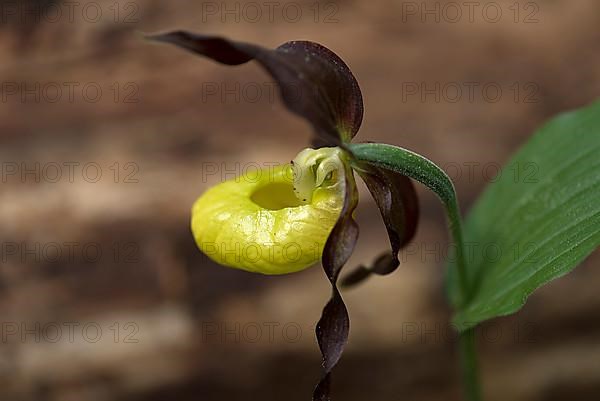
(106, 140)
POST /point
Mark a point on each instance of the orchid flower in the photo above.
(283, 220)
(308, 204)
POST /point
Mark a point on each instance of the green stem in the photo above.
(420, 168)
(470, 373)
(455, 223)
(467, 343)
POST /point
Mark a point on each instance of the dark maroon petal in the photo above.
(333, 327)
(314, 82)
(397, 201)
(383, 263)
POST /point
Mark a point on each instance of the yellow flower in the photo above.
(275, 220)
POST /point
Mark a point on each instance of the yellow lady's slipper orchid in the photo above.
(276, 220)
(279, 221)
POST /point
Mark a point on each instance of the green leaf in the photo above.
(421, 169)
(537, 221)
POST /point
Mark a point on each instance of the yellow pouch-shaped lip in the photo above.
(259, 223)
